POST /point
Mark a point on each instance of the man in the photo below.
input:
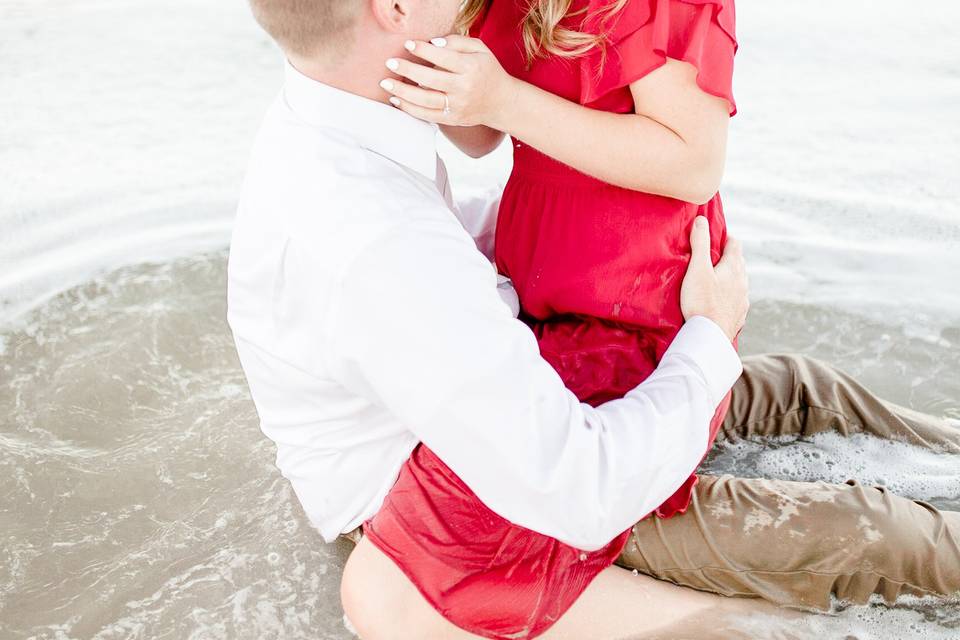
(367, 320)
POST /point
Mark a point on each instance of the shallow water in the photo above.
(139, 499)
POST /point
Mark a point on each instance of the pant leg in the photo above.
(795, 395)
(796, 543)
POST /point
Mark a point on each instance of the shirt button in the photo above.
(583, 556)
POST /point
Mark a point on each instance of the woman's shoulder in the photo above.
(616, 19)
(637, 36)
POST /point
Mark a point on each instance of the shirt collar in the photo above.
(375, 126)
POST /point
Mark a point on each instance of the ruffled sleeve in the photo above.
(642, 35)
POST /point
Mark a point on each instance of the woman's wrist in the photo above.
(505, 103)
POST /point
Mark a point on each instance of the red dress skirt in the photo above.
(598, 271)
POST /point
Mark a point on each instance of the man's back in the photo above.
(312, 201)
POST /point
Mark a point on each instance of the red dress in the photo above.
(598, 271)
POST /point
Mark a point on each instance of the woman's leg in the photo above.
(795, 395)
(382, 604)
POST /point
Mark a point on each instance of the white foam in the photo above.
(904, 469)
(912, 619)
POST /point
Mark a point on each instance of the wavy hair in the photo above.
(543, 33)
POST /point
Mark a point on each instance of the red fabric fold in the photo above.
(486, 575)
(641, 36)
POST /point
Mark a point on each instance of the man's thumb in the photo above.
(700, 243)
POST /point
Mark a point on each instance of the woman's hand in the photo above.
(465, 85)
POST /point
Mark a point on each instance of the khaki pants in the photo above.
(798, 543)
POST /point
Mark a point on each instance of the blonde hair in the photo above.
(543, 34)
(307, 27)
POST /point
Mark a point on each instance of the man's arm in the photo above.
(419, 329)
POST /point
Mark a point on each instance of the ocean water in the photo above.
(139, 499)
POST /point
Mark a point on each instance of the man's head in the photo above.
(329, 32)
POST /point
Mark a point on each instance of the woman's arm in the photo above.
(476, 141)
(674, 145)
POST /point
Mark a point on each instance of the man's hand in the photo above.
(718, 293)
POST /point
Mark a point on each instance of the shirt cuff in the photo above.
(508, 294)
(703, 342)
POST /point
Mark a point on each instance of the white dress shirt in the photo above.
(367, 318)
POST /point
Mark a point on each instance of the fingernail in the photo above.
(386, 85)
(409, 45)
(393, 64)
(439, 42)
(395, 101)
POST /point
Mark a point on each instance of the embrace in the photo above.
(504, 400)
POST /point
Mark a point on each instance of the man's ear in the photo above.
(392, 15)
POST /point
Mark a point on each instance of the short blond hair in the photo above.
(307, 28)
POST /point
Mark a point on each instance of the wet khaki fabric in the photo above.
(798, 543)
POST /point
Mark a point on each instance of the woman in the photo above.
(619, 116)
(618, 113)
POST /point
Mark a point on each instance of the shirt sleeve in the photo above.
(420, 330)
(644, 33)
(477, 212)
